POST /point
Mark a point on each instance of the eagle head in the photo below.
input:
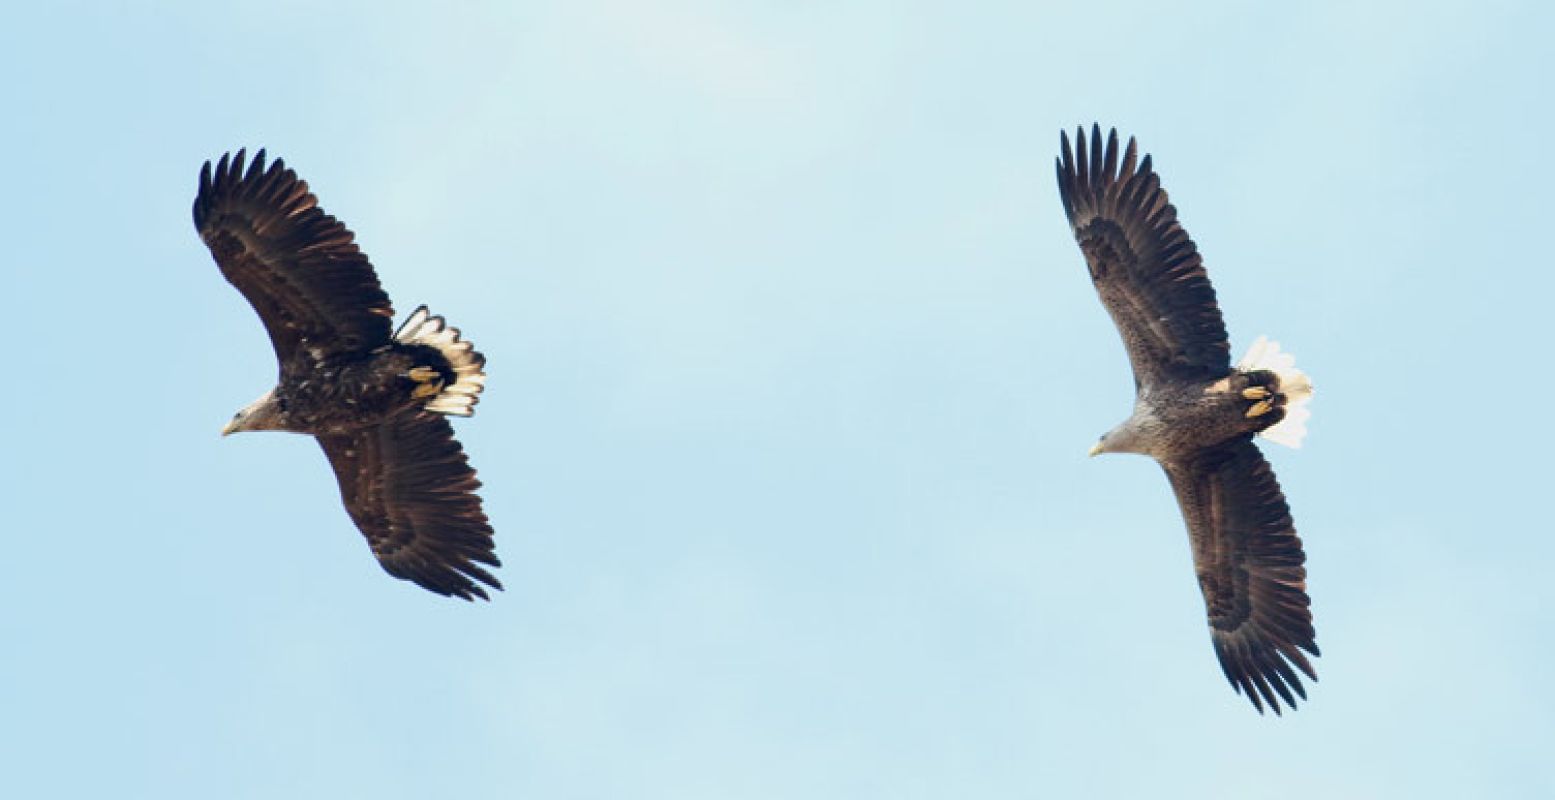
(265, 414)
(1126, 438)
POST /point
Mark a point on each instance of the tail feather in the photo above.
(459, 397)
(1265, 354)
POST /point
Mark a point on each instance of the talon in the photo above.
(1260, 408)
(1255, 393)
(428, 389)
(421, 374)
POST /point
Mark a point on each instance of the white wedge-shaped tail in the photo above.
(458, 398)
(1294, 384)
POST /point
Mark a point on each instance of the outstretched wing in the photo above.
(1146, 269)
(1250, 567)
(409, 488)
(297, 266)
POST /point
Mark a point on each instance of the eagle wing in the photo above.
(1146, 269)
(298, 267)
(407, 485)
(1250, 567)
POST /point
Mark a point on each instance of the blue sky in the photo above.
(793, 370)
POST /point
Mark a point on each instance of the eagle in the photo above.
(1196, 414)
(377, 400)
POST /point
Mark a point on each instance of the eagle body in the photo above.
(1197, 414)
(348, 391)
(378, 402)
(1174, 421)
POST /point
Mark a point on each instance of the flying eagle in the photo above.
(1196, 415)
(377, 401)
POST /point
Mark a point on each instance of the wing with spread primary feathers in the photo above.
(409, 488)
(297, 266)
(1146, 269)
(1250, 567)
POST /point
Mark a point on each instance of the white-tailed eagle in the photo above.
(377, 400)
(1196, 415)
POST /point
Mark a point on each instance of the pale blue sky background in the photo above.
(794, 366)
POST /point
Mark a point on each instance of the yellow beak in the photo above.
(1095, 450)
(231, 427)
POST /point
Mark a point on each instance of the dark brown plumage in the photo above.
(1197, 415)
(1146, 269)
(297, 266)
(1249, 563)
(375, 401)
(410, 489)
